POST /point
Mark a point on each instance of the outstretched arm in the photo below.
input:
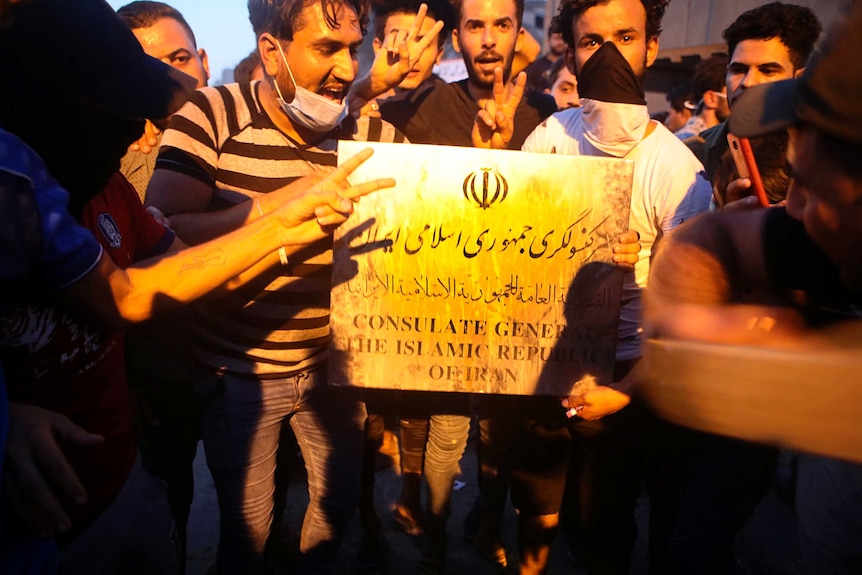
(118, 297)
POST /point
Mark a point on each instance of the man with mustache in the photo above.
(262, 353)
(487, 33)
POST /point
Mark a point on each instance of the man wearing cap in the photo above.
(766, 44)
(807, 256)
(262, 353)
(71, 466)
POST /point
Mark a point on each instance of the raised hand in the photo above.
(495, 121)
(148, 140)
(327, 202)
(400, 52)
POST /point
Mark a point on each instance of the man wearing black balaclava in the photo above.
(611, 43)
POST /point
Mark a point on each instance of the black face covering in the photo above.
(607, 77)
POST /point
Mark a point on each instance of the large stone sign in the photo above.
(481, 271)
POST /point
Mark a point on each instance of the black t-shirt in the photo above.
(538, 74)
(443, 114)
(799, 268)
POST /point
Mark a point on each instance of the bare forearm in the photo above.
(153, 286)
(198, 227)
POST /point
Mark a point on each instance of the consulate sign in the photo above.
(481, 271)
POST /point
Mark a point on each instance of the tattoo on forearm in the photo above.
(213, 258)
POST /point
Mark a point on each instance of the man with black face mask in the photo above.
(610, 45)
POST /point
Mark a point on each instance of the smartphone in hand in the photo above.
(743, 157)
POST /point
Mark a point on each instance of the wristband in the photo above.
(282, 253)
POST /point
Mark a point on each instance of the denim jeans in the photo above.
(242, 421)
(449, 426)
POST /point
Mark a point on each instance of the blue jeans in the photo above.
(242, 421)
(449, 426)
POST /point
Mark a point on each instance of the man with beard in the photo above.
(610, 45)
(487, 34)
(766, 44)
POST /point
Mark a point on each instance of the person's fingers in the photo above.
(502, 120)
(389, 42)
(737, 189)
(36, 502)
(353, 193)
(417, 21)
(341, 173)
(53, 463)
(150, 133)
(401, 42)
(517, 92)
(69, 433)
(499, 88)
(486, 119)
(431, 36)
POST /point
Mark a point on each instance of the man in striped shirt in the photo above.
(261, 350)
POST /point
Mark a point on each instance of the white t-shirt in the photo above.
(669, 188)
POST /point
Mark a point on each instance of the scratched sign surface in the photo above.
(481, 271)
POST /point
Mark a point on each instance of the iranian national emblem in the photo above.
(486, 187)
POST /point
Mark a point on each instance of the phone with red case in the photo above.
(743, 157)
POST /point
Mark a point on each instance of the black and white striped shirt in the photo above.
(278, 325)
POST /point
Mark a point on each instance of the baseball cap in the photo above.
(826, 96)
(82, 48)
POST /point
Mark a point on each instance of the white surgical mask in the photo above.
(309, 109)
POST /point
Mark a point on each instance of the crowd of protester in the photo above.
(166, 277)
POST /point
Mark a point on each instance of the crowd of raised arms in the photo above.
(166, 268)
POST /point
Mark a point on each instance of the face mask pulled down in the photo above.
(308, 109)
(613, 103)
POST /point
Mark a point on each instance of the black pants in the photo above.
(702, 489)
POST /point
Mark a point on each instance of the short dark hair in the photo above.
(570, 10)
(243, 71)
(458, 5)
(437, 9)
(796, 26)
(281, 18)
(143, 14)
(554, 70)
(708, 75)
(679, 95)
